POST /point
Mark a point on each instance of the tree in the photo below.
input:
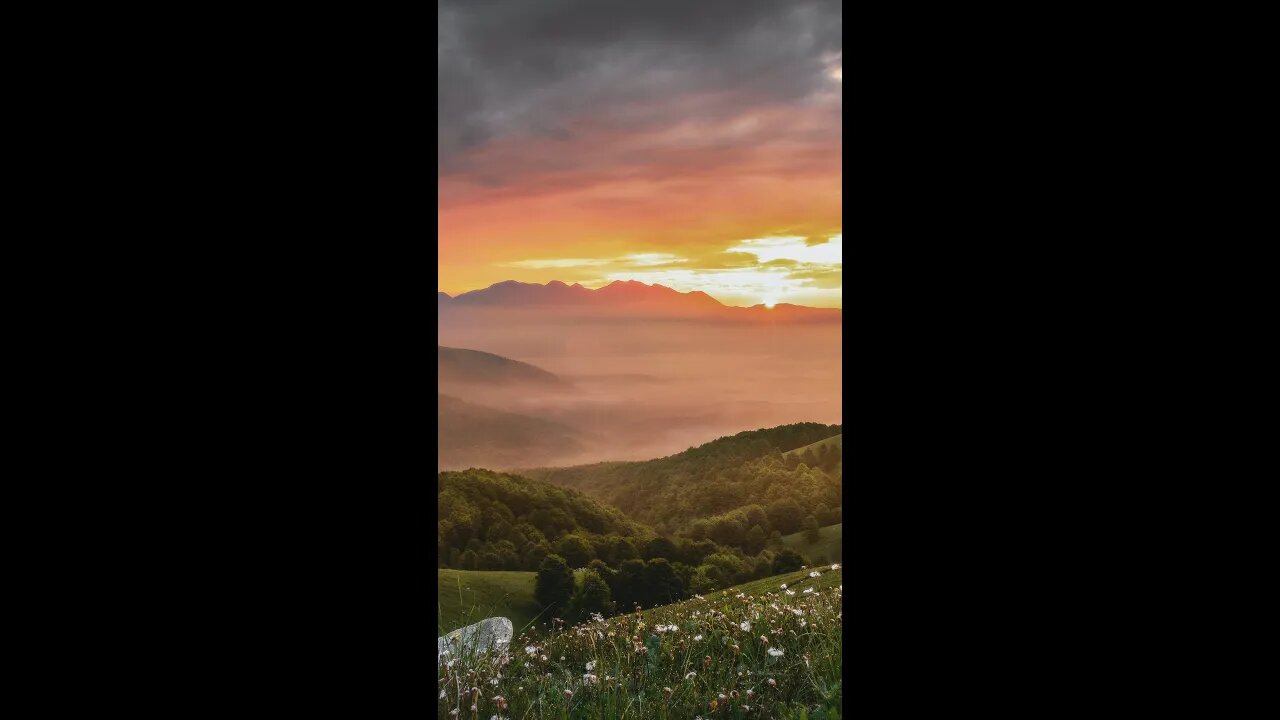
(661, 584)
(786, 515)
(729, 530)
(660, 547)
(593, 597)
(811, 529)
(787, 560)
(469, 560)
(629, 585)
(554, 584)
(757, 516)
(755, 540)
(575, 550)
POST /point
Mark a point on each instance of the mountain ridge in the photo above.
(621, 295)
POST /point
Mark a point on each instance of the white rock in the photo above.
(493, 634)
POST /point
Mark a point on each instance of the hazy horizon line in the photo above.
(623, 282)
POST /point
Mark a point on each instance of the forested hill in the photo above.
(722, 482)
(497, 521)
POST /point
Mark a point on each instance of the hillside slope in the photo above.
(470, 435)
(457, 365)
(494, 521)
(718, 477)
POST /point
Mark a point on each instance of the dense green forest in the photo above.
(648, 533)
(726, 489)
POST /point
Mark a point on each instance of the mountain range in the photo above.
(628, 296)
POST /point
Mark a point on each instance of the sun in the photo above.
(769, 301)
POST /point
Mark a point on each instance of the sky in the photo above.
(695, 145)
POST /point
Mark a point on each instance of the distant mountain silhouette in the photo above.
(626, 295)
(456, 365)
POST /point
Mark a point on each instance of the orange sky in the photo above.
(732, 192)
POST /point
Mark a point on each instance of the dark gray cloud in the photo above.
(531, 67)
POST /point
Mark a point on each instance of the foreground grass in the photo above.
(828, 549)
(755, 651)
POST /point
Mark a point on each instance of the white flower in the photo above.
(696, 595)
(803, 623)
(442, 694)
(691, 676)
(697, 637)
(776, 652)
(591, 666)
(835, 566)
(745, 625)
(493, 681)
(531, 649)
(806, 591)
(791, 592)
(815, 573)
(561, 658)
(450, 663)
(544, 658)
(589, 679)
(784, 586)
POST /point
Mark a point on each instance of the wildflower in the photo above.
(797, 612)
(764, 639)
(699, 597)
(773, 683)
(591, 666)
(502, 702)
(442, 694)
(568, 694)
(544, 658)
(589, 679)
(706, 661)
(721, 697)
(733, 694)
(815, 573)
(450, 663)
(713, 705)
(697, 637)
(690, 676)
(808, 590)
(784, 586)
(735, 649)
(803, 623)
(561, 658)
(453, 712)
(667, 691)
(474, 709)
(750, 693)
(776, 652)
(791, 592)
(745, 625)
(531, 649)
(494, 681)
(835, 566)
(746, 708)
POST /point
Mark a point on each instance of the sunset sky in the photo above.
(691, 144)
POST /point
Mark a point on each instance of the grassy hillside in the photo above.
(721, 476)
(756, 650)
(827, 548)
(835, 442)
(469, 596)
